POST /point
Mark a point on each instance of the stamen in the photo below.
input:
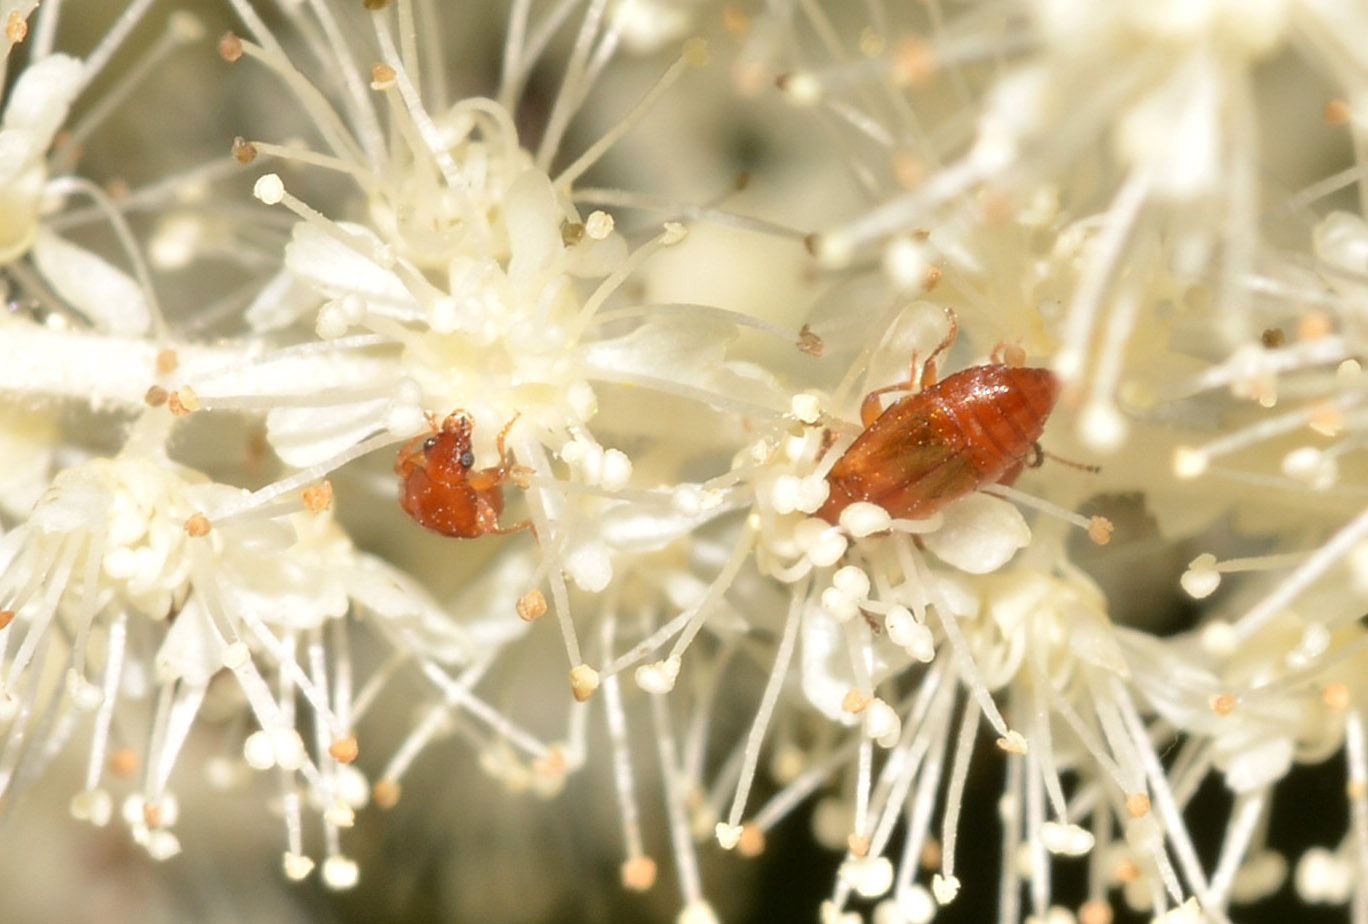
(634, 867)
(552, 566)
(913, 566)
(1247, 816)
(768, 699)
(671, 234)
(41, 42)
(181, 706)
(365, 178)
(115, 643)
(1009, 885)
(1305, 574)
(1190, 461)
(1042, 755)
(1246, 364)
(684, 212)
(694, 54)
(954, 795)
(1169, 812)
(699, 613)
(457, 694)
(300, 479)
(520, 55)
(1099, 529)
(320, 112)
(681, 839)
(113, 38)
(1356, 755)
(432, 138)
(182, 27)
(342, 61)
(571, 93)
(73, 184)
(1121, 219)
(1037, 835)
(923, 760)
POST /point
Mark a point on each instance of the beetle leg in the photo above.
(503, 434)
(928, 373)
(409, 457)
(1037, 456)
(504, 461)
(486, 478)
(516, 527)
(870, 408)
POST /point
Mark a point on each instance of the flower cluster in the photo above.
(393, 383)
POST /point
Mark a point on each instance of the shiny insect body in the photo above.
(944, 441)
(440, 487)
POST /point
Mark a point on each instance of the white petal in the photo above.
(649, 25)
(826, 674)
(644, 529)
(534, 220)
(109, 298)
(281, 302)
(27, 441)
(282, 592)
(1184, 157)
(688, 352)
(76, 500)
(304, 436)
(335, 269)
(592, 259)
(42, 95)
(21, 188)
(485, 606)
(676, 348)
(191, 651)
(980, 534)
(385, 592)
(1255, 765)
(1092, 639)
(1341, 239)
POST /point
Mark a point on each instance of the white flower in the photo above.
(36, 108)
(119, 576)
(658, 378)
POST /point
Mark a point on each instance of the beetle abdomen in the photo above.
(994, 414)
(946, 441)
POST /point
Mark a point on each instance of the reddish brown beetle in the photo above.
(948, 439)
(439, 489)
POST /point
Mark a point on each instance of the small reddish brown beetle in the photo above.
(948, 439)
(439, 489)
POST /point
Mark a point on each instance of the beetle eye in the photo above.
(429, 443)
(467, 459)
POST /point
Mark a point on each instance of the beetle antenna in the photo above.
(1081, 466)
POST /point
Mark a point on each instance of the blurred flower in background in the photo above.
(419, 428)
